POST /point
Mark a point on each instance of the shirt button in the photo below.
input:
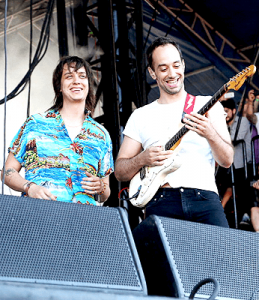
(182, 190)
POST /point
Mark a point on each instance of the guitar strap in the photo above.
(189, 105)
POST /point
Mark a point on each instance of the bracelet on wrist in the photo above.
(27, 186)
(103, 189)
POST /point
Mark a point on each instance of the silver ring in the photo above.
(196, 126)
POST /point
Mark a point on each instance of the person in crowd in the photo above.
(253, 117)
(255, 208)
(190, 192)
(66, 154)
(252, 108)
(238, 132)
(256, 185)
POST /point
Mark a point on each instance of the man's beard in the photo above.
(230, 119)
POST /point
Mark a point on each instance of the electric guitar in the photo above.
(147, 181)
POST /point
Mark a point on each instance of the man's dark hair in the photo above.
(161, 41)
(76, 63)
(229, 103)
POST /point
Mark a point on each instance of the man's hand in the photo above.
(155, 156)
(40, 192)
(131, 158)
(221, 148)
(92, 184)
(200, 124)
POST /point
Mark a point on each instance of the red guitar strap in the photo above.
(189, 105)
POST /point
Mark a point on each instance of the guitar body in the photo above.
(154, 177)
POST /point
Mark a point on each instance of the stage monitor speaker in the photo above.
(29, 291)
(176, 255)
(58, 243)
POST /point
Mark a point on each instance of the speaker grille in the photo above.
(56, 242)
(229, 255)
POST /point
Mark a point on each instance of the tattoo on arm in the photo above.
(10, 171)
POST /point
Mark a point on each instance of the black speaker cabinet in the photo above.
(57, 243)
(29, 291)
(176, 255)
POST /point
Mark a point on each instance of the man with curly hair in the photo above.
(66, 154)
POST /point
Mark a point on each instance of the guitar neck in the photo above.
(202, 111)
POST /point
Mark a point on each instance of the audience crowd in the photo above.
(240, 182)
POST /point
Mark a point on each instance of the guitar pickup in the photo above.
(142, 173)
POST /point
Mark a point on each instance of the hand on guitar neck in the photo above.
(199, 124)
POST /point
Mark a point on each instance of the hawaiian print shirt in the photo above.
(43, 147)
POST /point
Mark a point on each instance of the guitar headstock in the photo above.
(238, 80)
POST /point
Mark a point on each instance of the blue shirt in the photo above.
(51, 159)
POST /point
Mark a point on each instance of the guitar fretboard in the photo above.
(202, 111)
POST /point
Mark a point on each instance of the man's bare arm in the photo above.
(15, 181)
(222, 150)
(131, 158)
(11, 175)
(128, 161)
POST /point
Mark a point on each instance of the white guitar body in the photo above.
(154, 177)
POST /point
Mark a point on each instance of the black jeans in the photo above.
(188, 204)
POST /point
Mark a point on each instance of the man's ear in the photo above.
(152, 73)
(183, 64)
(234, 111)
